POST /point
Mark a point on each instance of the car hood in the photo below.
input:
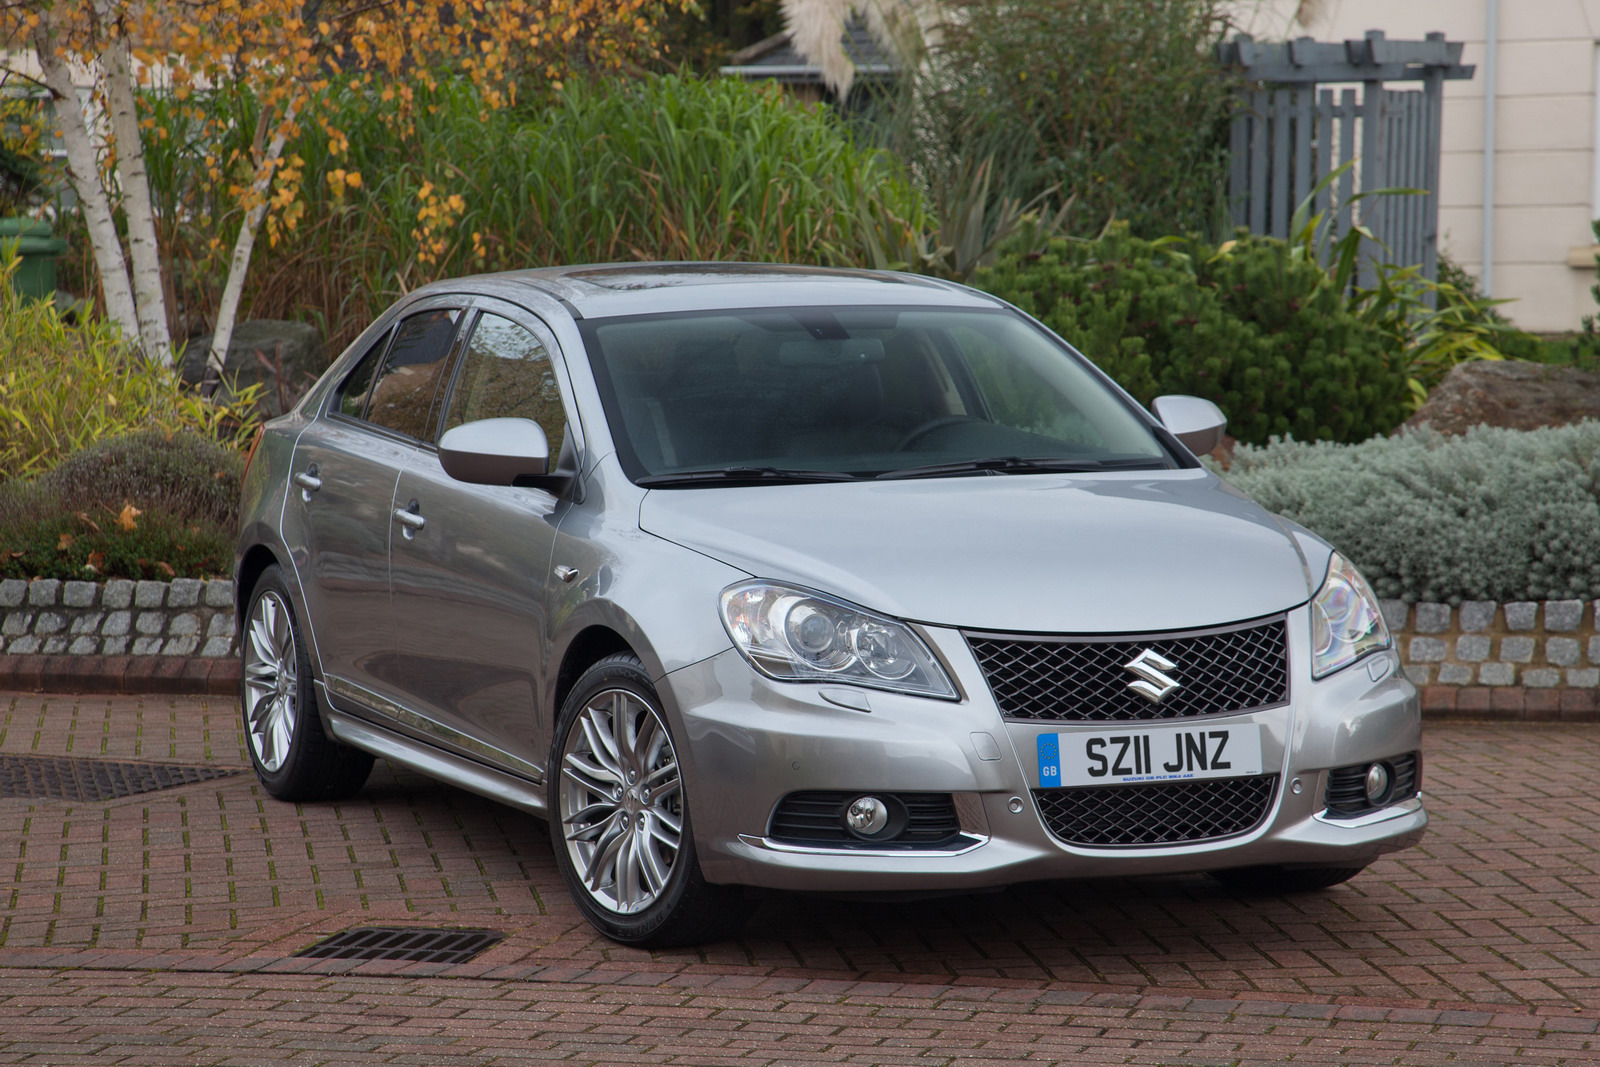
(1124, 552)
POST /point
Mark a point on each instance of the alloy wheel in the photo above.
(621, 801)
(271, 680)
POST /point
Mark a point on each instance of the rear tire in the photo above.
(292, 755)
(1275, 880)
(619, 816)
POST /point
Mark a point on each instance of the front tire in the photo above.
(620, 816)
(292, 755)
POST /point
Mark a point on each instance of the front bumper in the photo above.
(752, 741)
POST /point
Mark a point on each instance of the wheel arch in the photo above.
(256, 559)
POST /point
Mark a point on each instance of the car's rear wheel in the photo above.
(620, 816)
(1274, 879)
(292, 755)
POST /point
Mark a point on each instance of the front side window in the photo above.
(403, 395)
(507, 373)
(857, 392)
(352, 398)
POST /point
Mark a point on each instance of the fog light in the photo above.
(867, 815)
(1377, 783)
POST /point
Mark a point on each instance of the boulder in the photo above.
(285, 357)
(1519, 396)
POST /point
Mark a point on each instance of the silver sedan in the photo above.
(744, 575)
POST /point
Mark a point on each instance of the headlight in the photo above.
(1345, 621)
(796, 636)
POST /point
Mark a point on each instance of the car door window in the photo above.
(402, 397)
(507, 373)
(352, 398)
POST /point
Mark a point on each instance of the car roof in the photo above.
(610, 289)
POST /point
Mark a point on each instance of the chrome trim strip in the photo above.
(767, 843)
(370, 702)
(435, 763)
(1393, 811)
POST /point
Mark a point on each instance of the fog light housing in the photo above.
(867, 816)
(1377, 784)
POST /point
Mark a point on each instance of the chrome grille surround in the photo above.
(1072, 678)
(1159, 813)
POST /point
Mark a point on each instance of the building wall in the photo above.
(1545, 192)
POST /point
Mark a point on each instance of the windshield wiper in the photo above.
(1018, 465)
(742, 476)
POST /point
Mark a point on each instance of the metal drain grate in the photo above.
(63, 778)
(412, 943)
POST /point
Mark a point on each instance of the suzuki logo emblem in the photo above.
(1154, 684)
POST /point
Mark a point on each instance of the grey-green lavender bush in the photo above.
(1493, 515)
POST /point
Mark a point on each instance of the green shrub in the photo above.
(64, 387)
(1117, 104)
(1493, 515)
(141, 506)
(1253, 326)
(662, 167)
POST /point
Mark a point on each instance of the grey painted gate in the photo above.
(1290, 132)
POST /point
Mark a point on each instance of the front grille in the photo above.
(1166, 813)
(1074, 679)
(1347, 786)
(816, 818)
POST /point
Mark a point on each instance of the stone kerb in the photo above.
(184, 617)
(1553, 644)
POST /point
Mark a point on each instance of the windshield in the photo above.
(773, 395)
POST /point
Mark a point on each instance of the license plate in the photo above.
(1155, 754)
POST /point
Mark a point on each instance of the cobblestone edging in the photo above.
(184, 617)
(1536, 645)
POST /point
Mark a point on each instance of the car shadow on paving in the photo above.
(1496, 906)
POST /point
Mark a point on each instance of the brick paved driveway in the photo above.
(158, 928)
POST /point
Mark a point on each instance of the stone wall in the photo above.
(183, 617)
(1539, 645)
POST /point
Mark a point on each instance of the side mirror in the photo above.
(497, 452)
(1196, 422)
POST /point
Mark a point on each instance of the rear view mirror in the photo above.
(496, 452)
(1198, 423)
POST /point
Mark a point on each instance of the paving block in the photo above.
(114, 646)
(13, 591)
(184, 625)
(217, 647)
(49, 622)
(1541, 677)
(1584, 677)
(23, 646)
(1497, 674)
(117, 624)
(1562, 616)
(88, 624)
(1427, 649)
(1521, 614)
(1395, 613)
(79, 594)
(43, 592)
(180, 646)
(149, 594)
(146, 646)
(1432, 618)
(1473, 648)
(221, 625)
(150, 622)
(1562, 651)
(1455, 674)
(184, 592)
(219, 593)
(16, 623)
(54, 646)
(84, 645)
(1418, 673)
(1475, 615)
(1516, 649)
(118, 593)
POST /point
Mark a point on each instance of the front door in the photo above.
(470, 585)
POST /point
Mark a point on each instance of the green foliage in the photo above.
(64, 387)
(1494, 515)
(1118, 104)
(146, 505)
(1254, 326)
(664, 167)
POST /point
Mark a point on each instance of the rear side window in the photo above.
(352, 398)
(507, 374)
(402, 397)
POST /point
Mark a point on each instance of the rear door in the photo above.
(341, 502)
(471, 586)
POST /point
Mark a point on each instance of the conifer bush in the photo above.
(1252, 325)
(1492, 515)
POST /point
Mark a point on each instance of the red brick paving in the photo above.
(1480, 944)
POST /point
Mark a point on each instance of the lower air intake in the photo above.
(1165, 813)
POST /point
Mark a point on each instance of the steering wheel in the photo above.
(932, 426)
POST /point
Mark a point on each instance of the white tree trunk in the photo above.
(239, 265)
(148, 294)
(85, 176)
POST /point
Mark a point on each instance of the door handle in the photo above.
(308, 482)
(566, 573)
(411, 518)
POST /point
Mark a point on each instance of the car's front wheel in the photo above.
(620, 816)
(292, 755)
